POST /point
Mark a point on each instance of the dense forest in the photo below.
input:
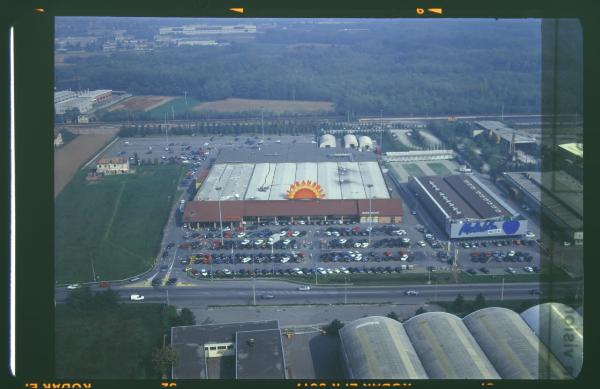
(398, 67)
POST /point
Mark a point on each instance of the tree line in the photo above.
(397, 68)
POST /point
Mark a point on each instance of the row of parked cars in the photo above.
(292, 256)
(203, 273)
(499, 256)
(497, 243)
(349, 256)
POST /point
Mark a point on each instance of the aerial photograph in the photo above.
(303, 199)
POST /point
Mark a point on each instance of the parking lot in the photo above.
(321, 248)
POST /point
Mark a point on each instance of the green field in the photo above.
(413, 170)
(439, 168)
(116, 223)
(179, 108)
(115, 343)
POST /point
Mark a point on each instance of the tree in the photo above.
(393, 315)
(458, 306)
(106, 299)
(420, 311)
(187, 317)
(334, 327)
(480, 302)
(163, 358)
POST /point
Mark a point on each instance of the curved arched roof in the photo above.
(511, 346)
(365, 142)
(560, 328)
(327, 140)
(377, 347)
(350, 141)
(446, 348)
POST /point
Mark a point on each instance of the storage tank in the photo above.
(327, 140)
(350, 141)
(365, 143)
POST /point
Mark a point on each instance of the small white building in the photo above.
(116, 165)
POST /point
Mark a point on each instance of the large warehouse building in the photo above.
(288, 182)
(491, 343)
(465, 208)
(554, 194)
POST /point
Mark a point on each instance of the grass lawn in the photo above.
(116, 223)
(179, 108)
(115, 343)
(439, 168)
(413, 169)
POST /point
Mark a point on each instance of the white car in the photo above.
(302, 222)
(245, 242)
(295, 233)
(328, 233)
(404, 257)
(411, 293)
(259, 242)
(246, 260)
(74, 286)
(344, 270)
(511, 253)
(304, 288)
(357, 245)
(337, 271)
(566, 244)
(528, 269)
(342, 241)
(241, 234)
(283, 233)
(365, 245)
(287, 241)
(136, 297)
(335, 233)
(285, 259)
(321, 271)
(421, 243)
(226, 272)
(405, 240)
(530, 235)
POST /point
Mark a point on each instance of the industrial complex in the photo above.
(491, 343)
(287, 182)
(465, 208)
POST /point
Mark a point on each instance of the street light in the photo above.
(370, 212)
(220, 215)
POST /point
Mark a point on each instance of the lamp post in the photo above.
(370, 212)
(220, 215)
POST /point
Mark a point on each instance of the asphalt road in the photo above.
(219, 293)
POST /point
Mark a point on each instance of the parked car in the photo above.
(136, 297)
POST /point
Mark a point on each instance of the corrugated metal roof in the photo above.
(560, 328)
(377, 347)
(446, 348)
(511, 346)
